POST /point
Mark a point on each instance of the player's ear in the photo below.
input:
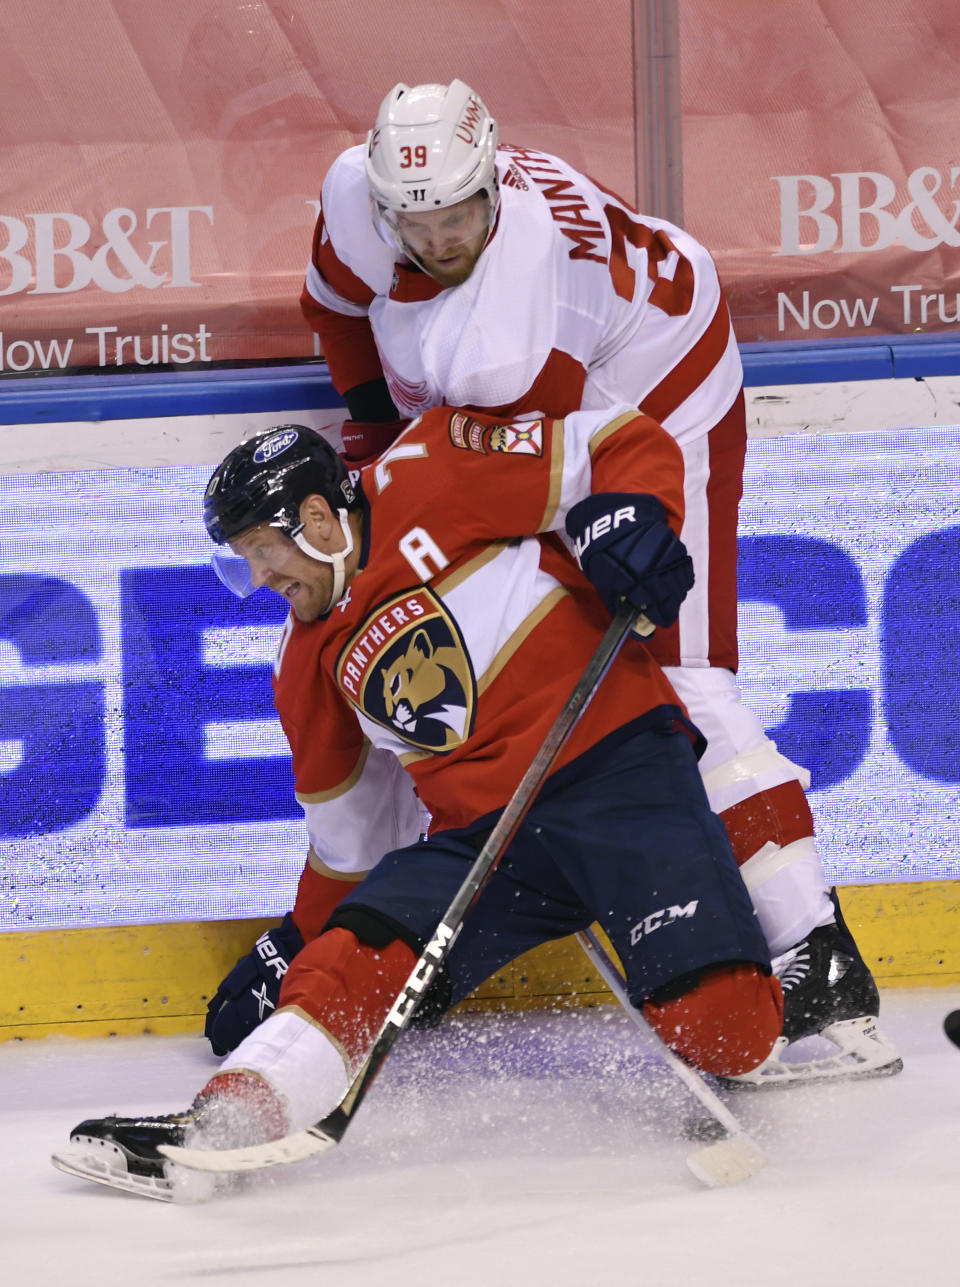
(319, 520)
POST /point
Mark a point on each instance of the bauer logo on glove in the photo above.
(626, 514)
(628, 551)
(252, 988)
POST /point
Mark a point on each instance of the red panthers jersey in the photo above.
(466, 628)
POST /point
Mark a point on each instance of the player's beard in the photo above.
(455, 275)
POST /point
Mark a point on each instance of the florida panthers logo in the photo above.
(407, 668)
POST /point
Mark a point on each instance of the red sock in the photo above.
(347, 986)
(725, 1025)
(247, 1091)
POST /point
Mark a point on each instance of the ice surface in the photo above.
(533, 1150)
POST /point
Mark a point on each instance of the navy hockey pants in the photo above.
(630, 843)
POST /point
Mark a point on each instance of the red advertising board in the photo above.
(161, 163)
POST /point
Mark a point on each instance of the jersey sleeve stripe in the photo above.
(604, 432)
(320, 867)
(553, 428)
(692, 369)
(346, 296)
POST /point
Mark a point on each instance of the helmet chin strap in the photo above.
(335, 560)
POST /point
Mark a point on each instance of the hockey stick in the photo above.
(323, 1135)
(727, 1161)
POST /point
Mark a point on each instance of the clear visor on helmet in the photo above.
(273, 552)
(434, 232)
(234, 573)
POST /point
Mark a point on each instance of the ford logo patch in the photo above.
(274, 445)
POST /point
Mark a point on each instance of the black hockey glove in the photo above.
(252, 988)
(627, 550)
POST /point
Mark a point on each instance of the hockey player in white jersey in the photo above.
(447, 268)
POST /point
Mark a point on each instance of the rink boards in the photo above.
(158, 978)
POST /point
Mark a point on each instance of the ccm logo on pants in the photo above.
(657, 920)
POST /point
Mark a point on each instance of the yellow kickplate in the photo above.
(158, 978)
(127, 978)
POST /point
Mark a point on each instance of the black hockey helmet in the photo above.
(266, 478)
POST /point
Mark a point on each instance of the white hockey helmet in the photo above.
(431, 147)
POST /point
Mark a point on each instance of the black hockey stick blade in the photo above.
(951, 1026)
(325, 1134)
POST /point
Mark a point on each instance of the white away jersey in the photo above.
(576, 301)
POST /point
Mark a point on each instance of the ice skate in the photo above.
(831, 1002)
(233, 1110)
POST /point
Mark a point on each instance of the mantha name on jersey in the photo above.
(611, 306)
(455, 645)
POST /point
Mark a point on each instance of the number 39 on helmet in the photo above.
(431, 147)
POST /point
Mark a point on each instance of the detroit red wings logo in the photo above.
(407, 668)
(408, 397)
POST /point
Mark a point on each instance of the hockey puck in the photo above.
(704, 1129)
(951, 1026)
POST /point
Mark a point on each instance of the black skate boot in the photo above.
(234, 1109)
(122, 1152)
(828, 992)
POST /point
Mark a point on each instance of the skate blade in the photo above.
(111, 1170)
(729, 1161)
(105, 1162)
(862, 1052)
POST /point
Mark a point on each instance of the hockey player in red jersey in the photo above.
(448, 268)
(429, 646)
